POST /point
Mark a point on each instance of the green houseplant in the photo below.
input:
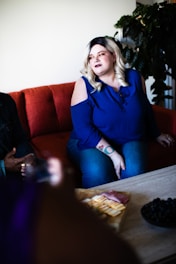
(152, 47)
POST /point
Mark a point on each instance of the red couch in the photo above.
(45, 115)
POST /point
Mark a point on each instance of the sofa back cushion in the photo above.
(62, 97)
(166, 119)
(40, 111)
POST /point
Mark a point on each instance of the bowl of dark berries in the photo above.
(160, 212)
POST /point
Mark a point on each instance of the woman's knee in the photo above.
(135, 155)
(97, 169)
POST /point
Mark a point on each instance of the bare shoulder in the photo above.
(79, 92)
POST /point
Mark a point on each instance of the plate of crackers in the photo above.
(110, 205)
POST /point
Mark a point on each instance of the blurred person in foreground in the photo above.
(45, 223)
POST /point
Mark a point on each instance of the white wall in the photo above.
(145, 2)
(43, 41)
(150, 2)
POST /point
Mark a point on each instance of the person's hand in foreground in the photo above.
(13, 164)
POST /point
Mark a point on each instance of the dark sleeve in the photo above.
(19, 138)
(85, 131)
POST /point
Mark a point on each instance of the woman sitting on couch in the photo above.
(112, 118)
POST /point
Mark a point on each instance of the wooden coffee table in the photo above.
(153, 244)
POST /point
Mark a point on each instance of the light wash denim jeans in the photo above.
(97, 168)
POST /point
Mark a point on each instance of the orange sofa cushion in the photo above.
(41, 113)
(52, 145)
(166, 119)
(62, 97)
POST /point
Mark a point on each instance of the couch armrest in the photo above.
(166, 119)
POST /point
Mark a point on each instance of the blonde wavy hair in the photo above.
(119, 65)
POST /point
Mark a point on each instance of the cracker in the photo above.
(105, 205)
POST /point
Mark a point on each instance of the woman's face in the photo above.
(101, 60)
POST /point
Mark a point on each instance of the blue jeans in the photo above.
(97, 168)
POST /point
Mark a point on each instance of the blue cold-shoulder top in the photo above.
(119, 117)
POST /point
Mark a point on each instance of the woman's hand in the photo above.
(116, 158)
(165, 140)
(118, 162)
